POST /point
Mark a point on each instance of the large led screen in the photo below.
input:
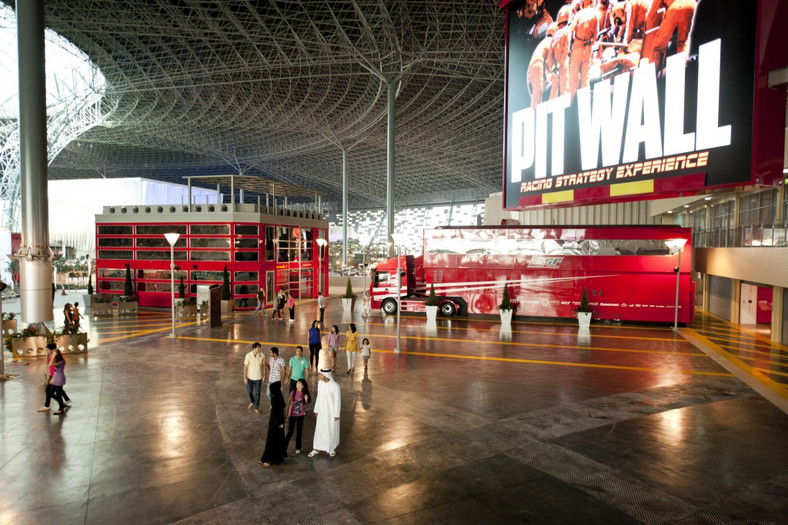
(612, 100)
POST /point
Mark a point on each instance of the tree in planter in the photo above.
(506, 303)
(349, 290)
(181, 289)
(128, 289)
(432, 300)
(226, 284)
(584, 306)
(90, 284)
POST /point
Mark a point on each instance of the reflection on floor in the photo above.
(471, 423)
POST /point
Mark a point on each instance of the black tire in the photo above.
(389, 306)
(448, 309)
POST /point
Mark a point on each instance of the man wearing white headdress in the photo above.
(327, 407)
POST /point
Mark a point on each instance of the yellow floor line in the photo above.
(545, 345)
(478, 358)
(777, 388)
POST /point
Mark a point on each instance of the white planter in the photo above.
(186, 311)
(347, 304)
(506, 316)
(128, 307)
(432, 313)
(584, 319)
(9, 328)
(99, 309)
(227, 307)
(29, 346)
(72, 344)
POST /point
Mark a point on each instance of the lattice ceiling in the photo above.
(277, 88)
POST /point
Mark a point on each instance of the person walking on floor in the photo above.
(274, 452)
(48, 386)
(327, 408)
(334, 342)
(325, 360)
(365, 352)
(314, 344)
(291, 306)
(254, 363)
(276, 368)
(260, 303)
(298, 368)
(294, 415)
(58, 381)
(321, 306)
(351, 347)
(278, 305)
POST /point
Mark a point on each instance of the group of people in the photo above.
(614, 35)
(71, 316)
(288, 410)
(284, 300)
(55, 380)
(291, 414)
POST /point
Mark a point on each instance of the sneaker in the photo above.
(60, 412)
(67, 403)
(251, 406)
(332, 453)
(313, 454)
(298, 451)
(43, 409)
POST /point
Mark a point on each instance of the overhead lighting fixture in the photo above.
(707, 198)
(686, 205)
(670, 211)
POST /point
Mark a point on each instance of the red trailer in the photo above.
(629, 272)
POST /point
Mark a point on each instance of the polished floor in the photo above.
(467, 424)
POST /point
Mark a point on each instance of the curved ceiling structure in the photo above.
(279, 88)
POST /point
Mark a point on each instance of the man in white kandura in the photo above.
(327, 407)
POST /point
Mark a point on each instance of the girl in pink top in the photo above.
(296, 410)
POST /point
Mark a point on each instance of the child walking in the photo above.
(365, 352)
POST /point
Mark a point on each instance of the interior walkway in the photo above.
(469, 424)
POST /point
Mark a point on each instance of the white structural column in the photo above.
(344, 207)
(391, 84)
(678, 246)
(172, 238)
(399, 240)
(35, 257)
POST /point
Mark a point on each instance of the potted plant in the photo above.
(71, 340)
(227, 302)
(186, 309)
(584, 311)
(349, 298)
(181, 289)
(431, 305)
(9, 324)
(30, 342)
(505, 309)
(102, 305)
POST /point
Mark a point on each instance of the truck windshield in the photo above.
(381, 277)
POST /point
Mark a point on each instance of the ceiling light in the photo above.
(707, 198)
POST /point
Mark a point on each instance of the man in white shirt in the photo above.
(276, 368)
(253, 375)
(321, 305)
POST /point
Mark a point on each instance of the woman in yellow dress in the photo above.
(351, 347)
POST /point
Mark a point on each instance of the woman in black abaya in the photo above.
(274, 452)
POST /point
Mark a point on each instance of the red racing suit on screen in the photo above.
(584, 29)
(678, 18)
(537, 69)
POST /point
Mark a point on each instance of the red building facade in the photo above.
(262, 247)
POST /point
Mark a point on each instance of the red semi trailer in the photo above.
(629, 272)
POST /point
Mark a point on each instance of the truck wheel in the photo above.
(448, 309)
(389, 306)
